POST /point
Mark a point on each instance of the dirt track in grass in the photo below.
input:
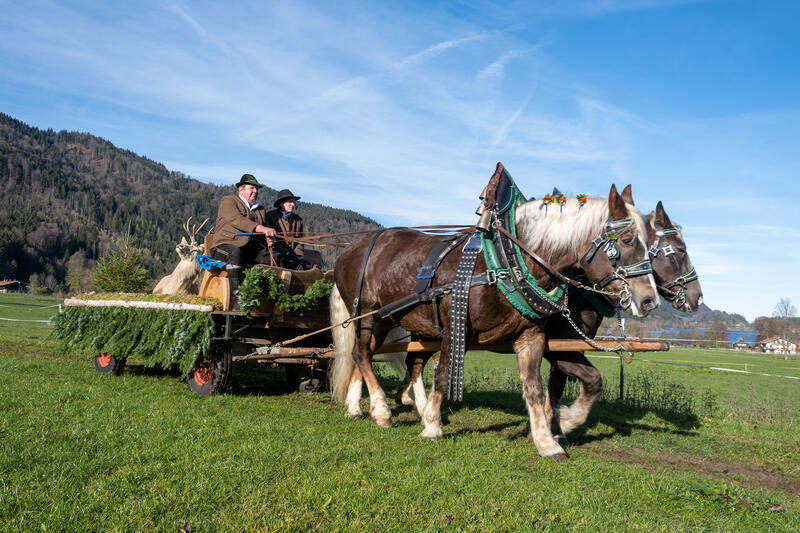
(747, 475)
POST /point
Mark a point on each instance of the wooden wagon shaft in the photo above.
(553, 345)
(283, 354)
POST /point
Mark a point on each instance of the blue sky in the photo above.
(400, 110)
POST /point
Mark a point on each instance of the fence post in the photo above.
(621, 362)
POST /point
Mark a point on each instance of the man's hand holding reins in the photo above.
(268, 232)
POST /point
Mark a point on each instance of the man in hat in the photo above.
(284, 220)
(241, 213)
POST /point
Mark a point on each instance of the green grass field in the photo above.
(26, 316)
(85, 451)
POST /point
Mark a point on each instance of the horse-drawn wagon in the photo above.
(153, 329)
(596, 256)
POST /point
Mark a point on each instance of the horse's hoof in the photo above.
(562, 440)
(382, 422)
(432, 434)
(560, 457)
(354, 416)
(402, 398)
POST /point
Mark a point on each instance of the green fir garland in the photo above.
(159, 337)
(264, 282)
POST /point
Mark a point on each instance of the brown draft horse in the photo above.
(561, 237)
(676, 282)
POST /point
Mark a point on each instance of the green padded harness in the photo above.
(504, 257)
(505, 262)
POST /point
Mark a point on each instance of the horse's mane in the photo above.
(555, 232)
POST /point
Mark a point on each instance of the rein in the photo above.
(622, 272)
(314, 239)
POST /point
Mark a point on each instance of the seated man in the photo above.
(284, 220)
(241, 214)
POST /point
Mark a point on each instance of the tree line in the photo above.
(69, 198)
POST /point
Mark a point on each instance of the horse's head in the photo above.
(672, 269)
(618, 261)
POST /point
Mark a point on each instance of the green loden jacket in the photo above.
(233, 217)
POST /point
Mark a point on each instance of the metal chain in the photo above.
(628, 360)
(678, 295)
(619, 348)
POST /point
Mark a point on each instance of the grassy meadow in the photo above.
(26, 316)
(688, 448)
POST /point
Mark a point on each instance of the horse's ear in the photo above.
(616, 205)
(661, 216)
(627, 195)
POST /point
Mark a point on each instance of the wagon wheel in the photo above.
(108, 364)
(304, 378)
(211, 372)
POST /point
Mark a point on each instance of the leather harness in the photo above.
(675, 289)
(501, 250)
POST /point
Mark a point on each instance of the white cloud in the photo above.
(495, 70)
(436, 50)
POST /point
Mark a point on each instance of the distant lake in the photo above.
(749, 336)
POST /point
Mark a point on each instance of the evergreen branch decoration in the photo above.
(264, 282)
(157, 337)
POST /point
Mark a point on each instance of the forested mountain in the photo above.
(66, 193)
(667, 317)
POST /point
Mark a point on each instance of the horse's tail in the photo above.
(344, 340)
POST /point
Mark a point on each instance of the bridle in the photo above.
(674, 291)
(608, 242)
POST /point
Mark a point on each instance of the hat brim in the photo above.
(279, 201)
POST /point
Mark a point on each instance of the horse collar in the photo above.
(504, 258)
